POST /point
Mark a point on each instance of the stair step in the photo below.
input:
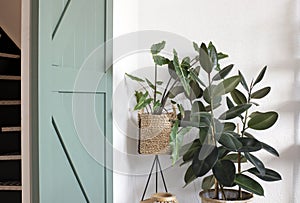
(12, 56)
(10, 77)
(10, 129)
(10, 185)
(10, 102)
(9, 157)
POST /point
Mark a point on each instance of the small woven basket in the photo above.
(154, 132)
(162, 197)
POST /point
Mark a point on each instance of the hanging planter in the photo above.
(162, 197)
(232, 196)
(154, 132)
(154, 97)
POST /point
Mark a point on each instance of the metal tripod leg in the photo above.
(157, 162)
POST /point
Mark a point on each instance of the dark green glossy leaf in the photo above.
(132, 77)
(172, 71)
(160, 60)
(204, 59)
(222, 56)
(156, 48)
(230, 142)
(262, 121)
(228, 126)
(215, 106)
(189, 176)
(234, 111)
(224, 171)
(256, 162)
(223, 73)
(213, 55)
(238, 97)
(270, 149)
(204, 159)
(226, 85)
(260, 76)
(207, 96)
(193, 148)
(222, 152)
(175, 91)
(249, 144)
(208, 182)
(181, 73)
(249, 184)
(261, 93)
(229, 103)
(270, 175)
(197, 106)
(243, 82)
(235, 157)
(248, 135)
(234, 134)
(196, 91)
(194, 76)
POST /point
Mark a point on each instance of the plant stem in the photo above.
(155, 80)
(223, 193)
(216, 189)
(239, 163)
(212, 111)
(164, 94)
(242, 135)
(164, 99)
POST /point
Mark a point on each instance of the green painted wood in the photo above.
(74, 90)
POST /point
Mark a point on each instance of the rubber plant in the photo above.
(226, 137)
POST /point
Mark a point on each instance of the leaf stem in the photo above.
(164, 94)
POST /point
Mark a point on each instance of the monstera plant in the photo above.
(224, 113)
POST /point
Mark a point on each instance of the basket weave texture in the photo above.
(161, 198)
(154, 132)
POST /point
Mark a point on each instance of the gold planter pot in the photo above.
(231, 195)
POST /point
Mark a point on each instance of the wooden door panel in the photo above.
(74, 89)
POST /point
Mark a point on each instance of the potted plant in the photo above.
(155, 119)
(226, 137)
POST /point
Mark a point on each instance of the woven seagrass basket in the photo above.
(154, 132)
(162, 197)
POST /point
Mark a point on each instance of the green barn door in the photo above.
(74, 102)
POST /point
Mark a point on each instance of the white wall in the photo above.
(254, 33)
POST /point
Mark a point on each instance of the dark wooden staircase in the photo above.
(10, 121)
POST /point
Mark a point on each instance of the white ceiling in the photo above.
(10, 19)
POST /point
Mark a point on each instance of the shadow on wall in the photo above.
(291, 154)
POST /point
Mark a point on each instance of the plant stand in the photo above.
(156, 162)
